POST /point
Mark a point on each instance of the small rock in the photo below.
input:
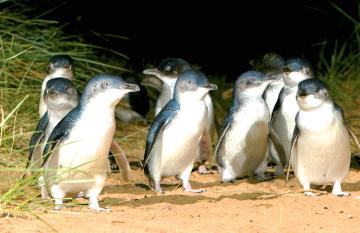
(349, 216)
(325, 208)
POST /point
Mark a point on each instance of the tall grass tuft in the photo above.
(26, 44)
(341, 71)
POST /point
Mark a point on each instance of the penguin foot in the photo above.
(187, 188)
(337, 191)
(203, 170)
(308, 193)
(195, 190)
(232, 181)
(279, 171)
(263, 177)
(342, 194)
(99, 209)
(59, 207)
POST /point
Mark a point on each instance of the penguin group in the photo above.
(280, 114)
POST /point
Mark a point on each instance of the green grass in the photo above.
(25, 48)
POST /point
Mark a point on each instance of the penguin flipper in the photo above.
(37, 136)
(160, 121)
(276, 106)
(225, 126)
(60, 131)
(352, 134)
(277, 144)
(293, 143)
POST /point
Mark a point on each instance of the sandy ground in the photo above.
(244, 206)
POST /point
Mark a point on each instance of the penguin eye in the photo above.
(56, 64)
(106, 84)
(190, 82)
(167, 68)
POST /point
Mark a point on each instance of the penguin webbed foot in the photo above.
(279, 171)
(94, 205)
(309, 193)
(187, 188)
(337, 191)
(263, 177)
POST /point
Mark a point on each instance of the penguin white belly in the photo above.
(322, 155)
(81, 159)
(179, 142)
(284, 123)
(246, 142)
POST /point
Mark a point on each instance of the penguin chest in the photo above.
(88, 145)
(179, 142)
(247, 140)
(322, 153)
(289, 110)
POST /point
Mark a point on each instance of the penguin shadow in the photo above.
(179, 199)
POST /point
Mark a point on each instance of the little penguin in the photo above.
(271, 64)
(242, 148)
(59, 66)
(168, 72)
(172, 143)
(321, 152)
(77, 149)
(284, 112)
(60, 97)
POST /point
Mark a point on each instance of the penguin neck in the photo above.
(55, 115)
(97, 108)
(188, 99)
(169, 87)
(318, 118)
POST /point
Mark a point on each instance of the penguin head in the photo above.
(253, 83)
(106, 90)
(295, 71)
(60, 94)
(61, 65)
(169, 69)
(192, 85)
(270, 62)
(311, 94)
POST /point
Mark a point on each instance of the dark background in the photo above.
(219, 36)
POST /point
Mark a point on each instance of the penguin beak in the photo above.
(51, 91)
(286, 69)
(132, 87)
(211, 86)
(301, 93)
(154, 71)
